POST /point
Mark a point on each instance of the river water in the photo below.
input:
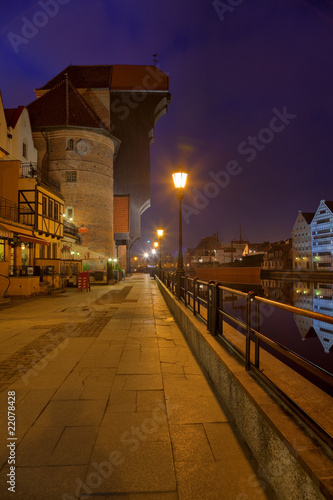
(310, 339)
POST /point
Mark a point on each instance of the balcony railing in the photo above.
(70, 228)
(29, 170)
(32, 171)
(8, 210)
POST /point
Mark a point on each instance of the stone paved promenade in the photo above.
(111, 403)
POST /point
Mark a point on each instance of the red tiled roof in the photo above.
(115, 77)
(12, 115)
(51, 109)
(121, 214)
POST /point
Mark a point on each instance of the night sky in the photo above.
(251, 112)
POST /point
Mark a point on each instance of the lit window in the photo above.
(50, 209)
(44, 205)
(69, 213)
(71, 176)
(2, 250)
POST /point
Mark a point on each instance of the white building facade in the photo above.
(322, 237)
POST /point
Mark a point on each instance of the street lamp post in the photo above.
(160, 236)
(146, 257)
(155, 246)
(179, 179)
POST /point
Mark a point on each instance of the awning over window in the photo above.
(30, 239)
(5, 233)
(8, 231)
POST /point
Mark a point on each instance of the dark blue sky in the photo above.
(228, 70)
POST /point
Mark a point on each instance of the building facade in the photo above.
(322, 237)
(31, 225)
(93, 126)
(301, 241)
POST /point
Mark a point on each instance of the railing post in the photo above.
(248, 331)
(185, 290)
(213, 308)
(256, 343)
(194, 295)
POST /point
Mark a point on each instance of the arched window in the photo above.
(69, 145)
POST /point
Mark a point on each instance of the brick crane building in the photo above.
(92, 127)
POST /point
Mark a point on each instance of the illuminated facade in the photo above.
(301, 241)
(322, 237)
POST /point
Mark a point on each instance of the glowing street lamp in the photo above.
(160, 236)
(179, 179)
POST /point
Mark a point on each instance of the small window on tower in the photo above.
(69, 145)
(70, 213)
(71, 176)
(24, 150)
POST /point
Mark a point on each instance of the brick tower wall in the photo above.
(91, 196)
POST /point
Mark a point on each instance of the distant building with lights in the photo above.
(301, 241)
(278, 256)
(322, 237)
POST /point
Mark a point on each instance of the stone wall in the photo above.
(91, 195)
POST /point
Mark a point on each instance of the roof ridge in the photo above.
(83, 102)
(47, 91)
(86, 105)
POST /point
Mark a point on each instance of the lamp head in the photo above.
(179, 178)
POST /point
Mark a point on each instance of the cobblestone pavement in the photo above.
(110, 403)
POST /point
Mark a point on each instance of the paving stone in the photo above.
(148, 468)
(224, 441)
(44, 482)
(119, 391)
(232, 480)
(188, 441)
(72, 413)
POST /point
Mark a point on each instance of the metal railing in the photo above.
(32, 171)
(206, 300)
(8, 210)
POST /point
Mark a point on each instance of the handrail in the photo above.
(296, 310)
(215, 314)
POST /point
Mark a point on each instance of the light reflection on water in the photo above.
(310, 338)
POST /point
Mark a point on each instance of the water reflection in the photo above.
(312, 296)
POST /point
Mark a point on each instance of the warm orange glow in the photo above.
(179, 178)
(155, 244)
(160, 233)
